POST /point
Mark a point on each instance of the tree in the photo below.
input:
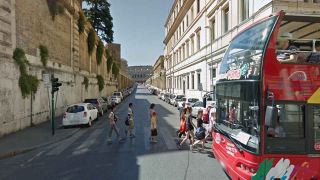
(98, 13)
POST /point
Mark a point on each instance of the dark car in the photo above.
(99, 103)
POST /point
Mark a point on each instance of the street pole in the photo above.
(52, 110)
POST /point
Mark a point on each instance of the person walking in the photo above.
(153, 122)
(190, 128)
(200, 132)
(113, 127)
(182, 128)
(131, 121)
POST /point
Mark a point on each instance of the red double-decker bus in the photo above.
(268, 100)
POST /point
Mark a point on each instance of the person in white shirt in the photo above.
(131, 120)
(212, 120)
(113, 126)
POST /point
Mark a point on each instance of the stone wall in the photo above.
(28, 24)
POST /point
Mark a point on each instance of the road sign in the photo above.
(46, 80)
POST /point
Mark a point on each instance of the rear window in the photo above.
(116, 94)
(184, 99)
(75, 109)
(193, 100)
(92, 101)
(180, 96)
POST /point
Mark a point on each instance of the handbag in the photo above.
(126, 122)
(154, 132)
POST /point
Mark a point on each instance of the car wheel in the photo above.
(89, 123)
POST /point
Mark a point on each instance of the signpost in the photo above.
(54, 87)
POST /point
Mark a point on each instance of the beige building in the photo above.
(197, 33)
(140, 73)
(158, 79)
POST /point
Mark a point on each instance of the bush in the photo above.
(115, 70)
(109, 61)
(100, 82)
(44, 54)
(81, 22)
(91, 41)
(99, 52)
(86, 82)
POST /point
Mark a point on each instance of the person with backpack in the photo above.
(130, 121)
(189, 128)
(200, 132)
(113, 126)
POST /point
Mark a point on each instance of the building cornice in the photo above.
(171, 11)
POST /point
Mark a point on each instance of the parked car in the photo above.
(99, 103)
(174, 101)
(171, 98)
(80, 114)
(167, 97)
(196, 107)
(116, 99)
(119, 94)
(108, 100)
(187, 101)
(160, 95)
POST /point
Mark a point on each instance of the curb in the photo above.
(25, 150)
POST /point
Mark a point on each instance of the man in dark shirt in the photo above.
(314, 57)
(287, 51)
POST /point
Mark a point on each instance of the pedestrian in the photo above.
(131, 121)
(113, 126)
(212, 121)
(181, 109)
(154, 131)
(182, 128)
(190, 128)
(200, 132)
(153, 121)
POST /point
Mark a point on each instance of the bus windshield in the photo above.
(238, 112)
(243, 58)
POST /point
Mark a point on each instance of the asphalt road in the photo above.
(87, 154)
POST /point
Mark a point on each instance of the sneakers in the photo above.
(132, 136)
(121, 139)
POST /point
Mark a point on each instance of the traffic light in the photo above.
(54, 84)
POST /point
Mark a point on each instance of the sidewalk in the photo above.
(33, 137)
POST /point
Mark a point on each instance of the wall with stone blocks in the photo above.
(27, 24)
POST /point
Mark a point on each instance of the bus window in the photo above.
(289, 122)
(298, 42)
(316, 127)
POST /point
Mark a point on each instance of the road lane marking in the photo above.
(65, 144)
(92, 139)
(147, 138)
(168, 139)
(31, 159)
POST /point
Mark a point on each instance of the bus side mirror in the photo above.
(271, 116)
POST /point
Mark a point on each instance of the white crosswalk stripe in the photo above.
(65, 144)
(168, 139)
(91, 140)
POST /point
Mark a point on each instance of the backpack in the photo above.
(200, 133)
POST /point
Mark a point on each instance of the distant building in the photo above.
(158, 79)
(140, 73)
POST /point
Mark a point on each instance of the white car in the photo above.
(196, 107)
(79, 114)
(116, 99)
(187, 101)
(161, 94)
(174, 101)
(118, 94)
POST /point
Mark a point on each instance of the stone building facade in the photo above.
(27, 25)
(140, 74)
(197, 33)
(158, 79)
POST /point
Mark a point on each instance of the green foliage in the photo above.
(81, 22)
(109, 61)
(85, 82)
(91, 41)
(44, 54)
(28, 84)
(55, 8)
(100, 82)
(99, 52)
(98, 13)
(115, 70)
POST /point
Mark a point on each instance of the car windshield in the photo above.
(75, 109)
(238, 112)
(179, 97)
(116, 94)
(243, 58)
(92, 101)
(184, 99)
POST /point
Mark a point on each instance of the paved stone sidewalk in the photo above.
(32, 138)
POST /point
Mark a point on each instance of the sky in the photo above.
(139, 28)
